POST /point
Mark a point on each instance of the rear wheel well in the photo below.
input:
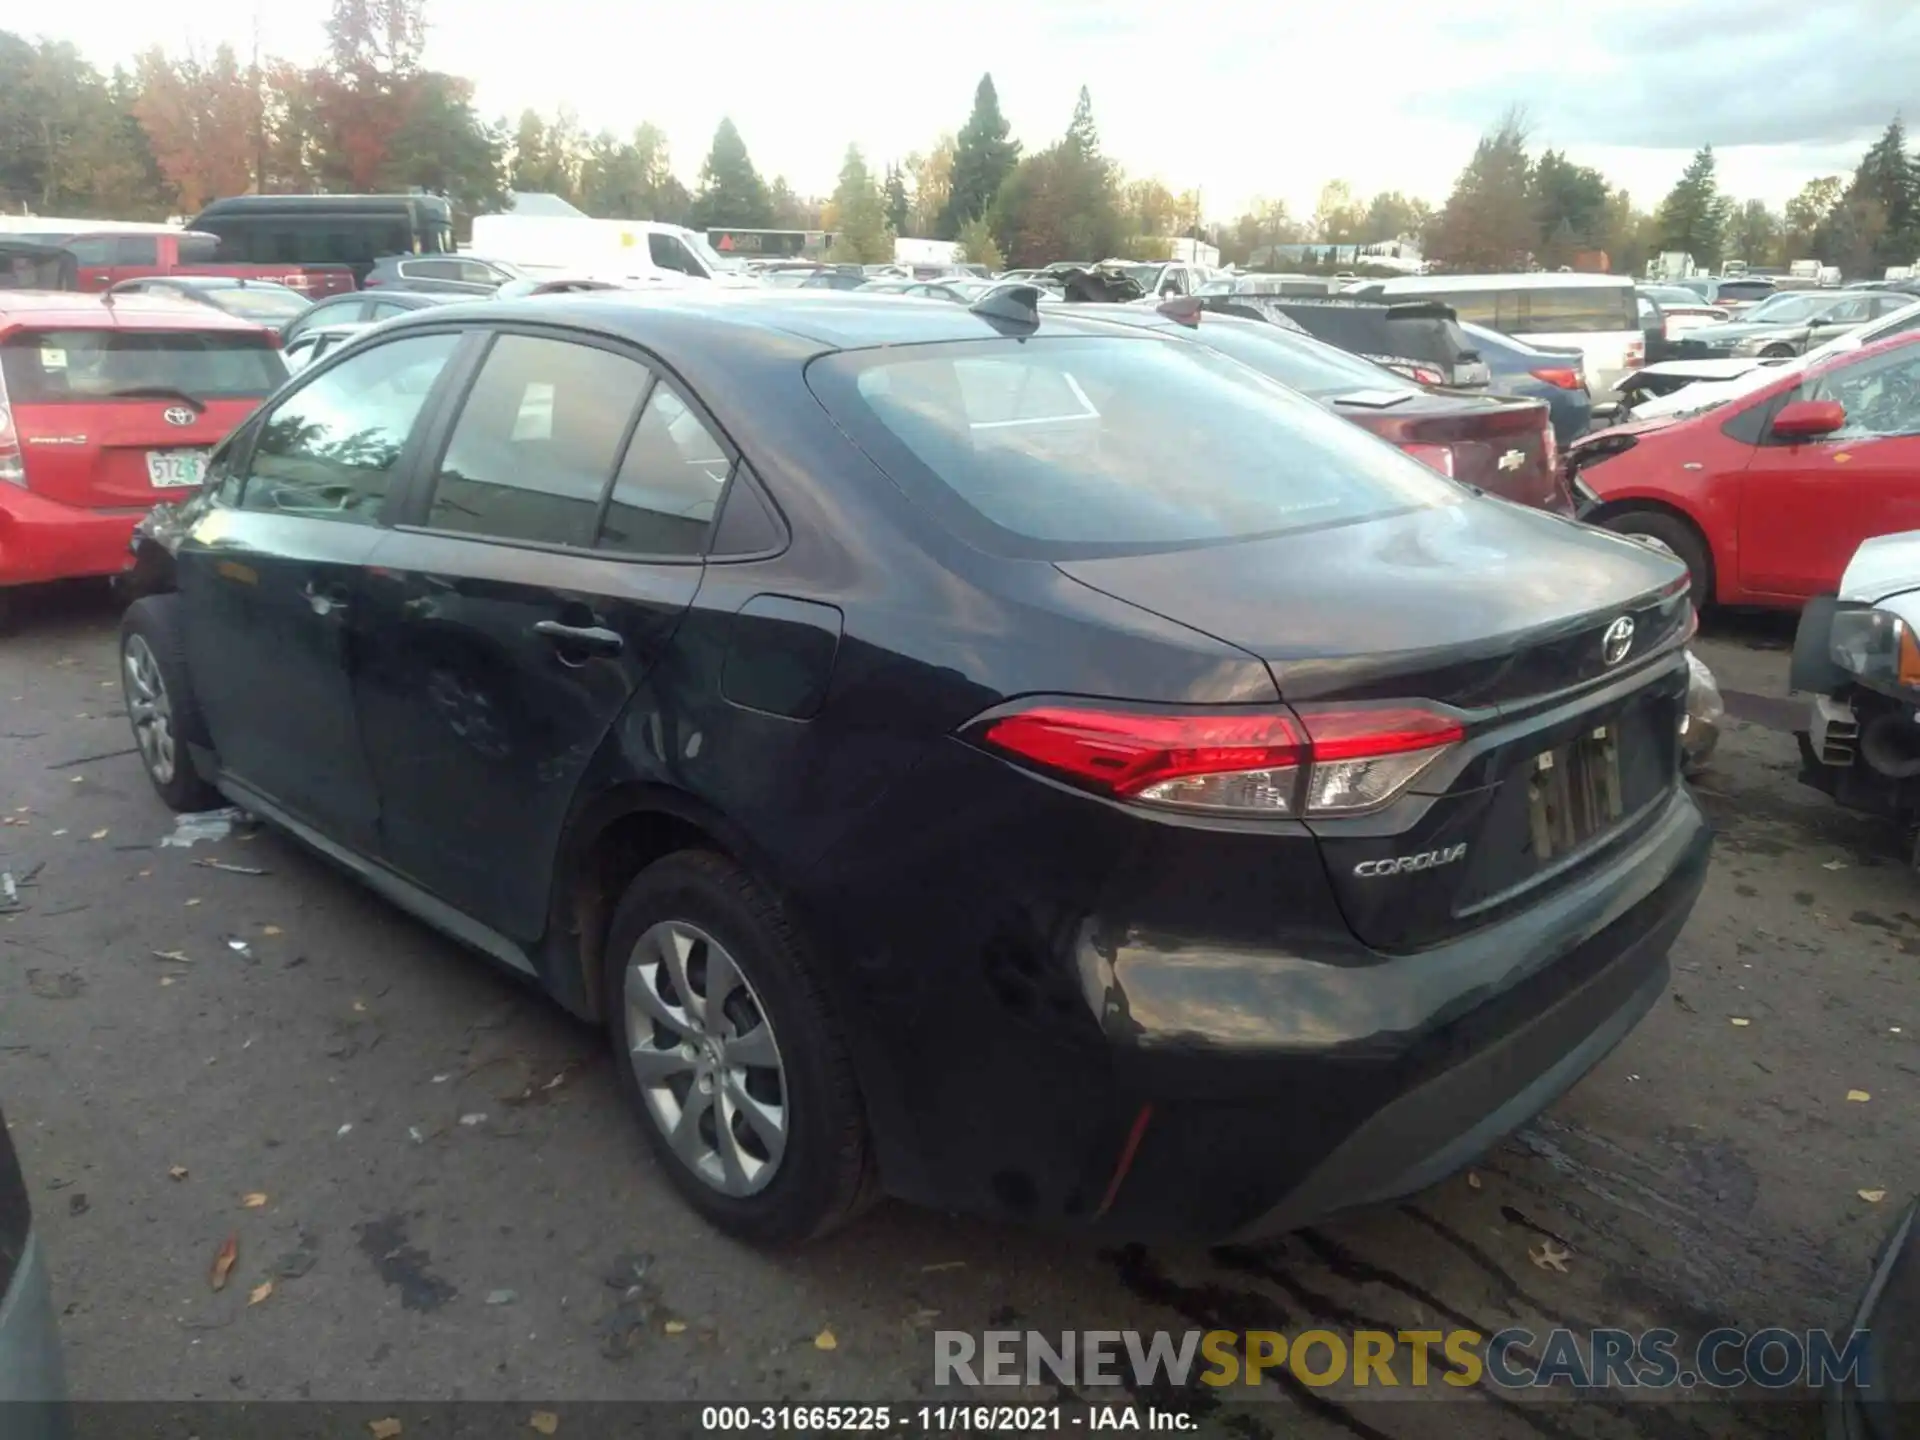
(620, 850)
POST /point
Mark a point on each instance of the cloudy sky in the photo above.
(1239, 99)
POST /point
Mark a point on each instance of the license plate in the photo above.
(176, 469)
(1574, 792)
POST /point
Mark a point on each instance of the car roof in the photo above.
(829, 319)
(78, 310)
(207, 282)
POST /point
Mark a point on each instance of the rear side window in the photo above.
(1052, 448)
(669, 484)
(198, 249)
(1575, 310)
(90, 249)
(536, 441)
(52, 367)
(329, 449)
(432, 270)
(136, 250)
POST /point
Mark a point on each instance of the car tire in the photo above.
(160, 706)
(700, 904)
(1678, 538)
(1777, 352)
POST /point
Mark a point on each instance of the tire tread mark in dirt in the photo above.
(1214, 1307)
(1324, 1307)
(1357, 1271)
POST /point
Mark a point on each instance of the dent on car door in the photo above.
(1806, 505)
(553, 544)
(271, 581)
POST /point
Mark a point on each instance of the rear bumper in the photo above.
(33, 1387)
(42, 540)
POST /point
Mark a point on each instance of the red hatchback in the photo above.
(1767, 495)
(107, 408)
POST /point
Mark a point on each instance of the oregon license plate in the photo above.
(1574, 792)
(176, 469)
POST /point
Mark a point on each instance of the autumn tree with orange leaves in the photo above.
(201, 119)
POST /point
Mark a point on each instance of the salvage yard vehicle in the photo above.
(1503, 446)
(1857, 653)
(1595, 313)
(1788, 324)
(104, 409)
(105, 258)
(1018, 763)
(1421, 340)
(361, 308)
(1766, 497)
(264, 302)
(332, 231)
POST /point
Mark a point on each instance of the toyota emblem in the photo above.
(177, 415)
(1618, 640)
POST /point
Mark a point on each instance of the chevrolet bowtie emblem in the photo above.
(1513, 459)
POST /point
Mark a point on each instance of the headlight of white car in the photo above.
(1875, 645)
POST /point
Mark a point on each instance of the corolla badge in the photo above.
(1403, 864)
(1513, 459)
(1617, 640)
(177, 415)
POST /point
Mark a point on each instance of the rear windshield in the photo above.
(273, 306)
(48, 367)
(1054, 448)
(1543, 310)
(1306, 365)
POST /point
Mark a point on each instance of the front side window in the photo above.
(536, 442)
(1050, 448)
(669, 254)
(1881, 395)
(49, 367)
(1573, 310)
(329, 449)
(670, 482)
(90, 249)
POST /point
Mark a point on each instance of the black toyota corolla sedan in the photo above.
(1011, 762)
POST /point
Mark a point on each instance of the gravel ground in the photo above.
(456, 1206)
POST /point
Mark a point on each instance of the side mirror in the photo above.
(1809, 419)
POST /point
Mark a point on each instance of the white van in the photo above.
(1595, 314)
(641, 251)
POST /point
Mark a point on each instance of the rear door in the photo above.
(553, 543)
(112, 417)
(1806, 505)
(271, 580)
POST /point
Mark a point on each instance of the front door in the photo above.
(551, 551)
(271, 583)
(1805, 506)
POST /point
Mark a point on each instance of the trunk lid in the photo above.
(112, 418)
(1503, 615)
(1502, 446)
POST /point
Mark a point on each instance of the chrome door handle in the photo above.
(594, 639)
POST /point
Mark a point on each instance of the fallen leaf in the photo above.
(1859, 1096)
(383, 1429)
(260, 1292)
(1550, 1257)
(676, 1327)
(1834, 865)
(1473, 1180)
(545, 1421)
(825, 1340)
(165, 980)
(178, 1172)
(223, 1262)
(359, 1007)
(254, 1200)
(193, 902)
(98, 835)
(1872, 1197)
(270, 930)
(1737, 1020)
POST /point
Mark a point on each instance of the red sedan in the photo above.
(1766, 496)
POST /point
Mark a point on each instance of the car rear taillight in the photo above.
(1436, 457)
(13, 466)
(1317, 762)
(1636, 354)
(1563, 377)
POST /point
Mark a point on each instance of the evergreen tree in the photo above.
(731, 190)
(860, 207)
(1488, 222)
(983, 158)
(898, 206)
(1694, 216)
(1889, 179)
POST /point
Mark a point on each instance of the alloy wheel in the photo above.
(149, 708)
(703, 1051)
